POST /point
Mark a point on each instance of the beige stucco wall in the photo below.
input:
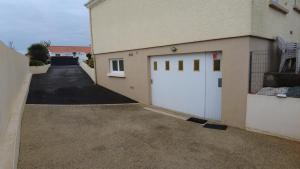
(274, 116)
(15, 79)
(268, 22)
(13, 70)
(119, 25)
(136, 84)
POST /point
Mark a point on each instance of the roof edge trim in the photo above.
(92, 3)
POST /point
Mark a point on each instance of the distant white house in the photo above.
(70, 51)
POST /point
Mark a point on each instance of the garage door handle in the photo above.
(220, 82)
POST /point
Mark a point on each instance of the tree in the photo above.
(39, 52)
(46, 43)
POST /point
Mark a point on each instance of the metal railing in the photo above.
(259, 65)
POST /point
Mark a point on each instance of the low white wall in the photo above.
(39, 69)
(90, 71)
(14, 84)
(274, 116)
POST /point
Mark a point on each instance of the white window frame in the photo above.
(116, 73)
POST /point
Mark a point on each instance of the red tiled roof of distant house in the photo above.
(69, 49)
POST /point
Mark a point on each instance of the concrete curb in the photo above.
(90, 71)
(167, 113)
(39, 69)
(85, 105)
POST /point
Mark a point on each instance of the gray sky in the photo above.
(63, 22)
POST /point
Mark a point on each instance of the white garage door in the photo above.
(189, 83)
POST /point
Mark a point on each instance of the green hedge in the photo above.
(36, 63)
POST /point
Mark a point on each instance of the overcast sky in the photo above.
(63, 22)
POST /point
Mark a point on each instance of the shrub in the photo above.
(89, 56)
(90, 62)
(36, 63)
(38, 52)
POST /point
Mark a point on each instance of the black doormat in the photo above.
(215, 126)
(196, 120)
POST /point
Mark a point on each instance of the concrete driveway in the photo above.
(127, 136)
(70, 85)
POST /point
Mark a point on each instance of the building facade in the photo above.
(70, 51)
(188, 56)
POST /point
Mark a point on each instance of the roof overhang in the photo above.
(92, 3)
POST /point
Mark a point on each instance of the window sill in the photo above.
(297, 8)
(120, 75)
(278, 7)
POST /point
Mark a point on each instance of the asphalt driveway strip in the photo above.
(70, 85)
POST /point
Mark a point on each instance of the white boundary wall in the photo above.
(274, 116)
(14, 84)
(90, 71)
(39, 69)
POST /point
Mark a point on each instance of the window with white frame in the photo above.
(116, 67)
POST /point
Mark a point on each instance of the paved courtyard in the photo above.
(127, 136)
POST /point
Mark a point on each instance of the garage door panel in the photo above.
(177, 90)
(213, 87)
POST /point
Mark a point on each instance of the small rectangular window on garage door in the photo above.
(167, 65)
(197, 65)
(180, 65)
(217, 65)
(155, 66)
